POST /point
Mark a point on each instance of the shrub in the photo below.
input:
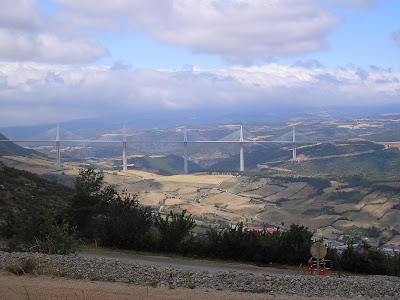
(173, 229)
(42, 230)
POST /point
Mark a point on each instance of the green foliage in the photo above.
(32, 213)
(386, 188)
(87, 203)
(360, 232)
(125, 223)
(339, 148)
(347, 197)
(327, 210)
(173, 228)
(239, 243)
(101, 214)
(21, 188)
(42, 230)
(233, 243)
(388, 136)
(253, 159)
(369, 261)
(396, 206)
(357, 180)
(319, 183)
(380, 161)
(296, 244)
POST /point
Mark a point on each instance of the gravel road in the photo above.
(190, 265)
(120, 269)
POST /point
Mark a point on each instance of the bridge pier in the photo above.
(294, 143)
(185, 153)
(58, 149)
(241, 150)
(124, 160)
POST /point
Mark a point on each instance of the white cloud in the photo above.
(67, 92)
(20, 14)
(241, 31)
(354, 4)
(18, 45)
(28, 34)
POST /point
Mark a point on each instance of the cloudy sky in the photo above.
(70, 59)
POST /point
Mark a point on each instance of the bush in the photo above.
(125, 223)
(42, 230)
(173, 229)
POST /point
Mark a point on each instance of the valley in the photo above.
(342, 189)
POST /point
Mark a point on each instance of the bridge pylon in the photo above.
(185, 153)
(124, 160)
(241, 150)
(294, 143)
(58, 149)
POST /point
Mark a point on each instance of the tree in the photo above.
(88, 201)
(173, 229)
(39, 229)
(296, 243)
(125, 223)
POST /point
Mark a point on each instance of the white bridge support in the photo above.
(294, 143)
(185, 153)
(124, 160)
(58, 149)
(241, 150)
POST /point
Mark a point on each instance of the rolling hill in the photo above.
(19, 189)
(9, 148)
(167, 165)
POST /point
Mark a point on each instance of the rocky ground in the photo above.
(168, 278)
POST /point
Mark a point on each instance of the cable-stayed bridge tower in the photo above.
(241, 163)
(58, 149)
(185, 153)
(124, 160)
(294, 143)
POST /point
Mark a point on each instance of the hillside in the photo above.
(310, 156)
(381, 161)
(21, 188)
(166, 165)
(388, 136)
(9, 148)
(333, 205)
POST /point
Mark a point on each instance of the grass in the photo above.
(153, 284)
(28, 266)
(93, 276)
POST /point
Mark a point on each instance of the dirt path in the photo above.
(191, 265)
(14, 287)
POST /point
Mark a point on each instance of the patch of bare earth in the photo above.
(14, 287)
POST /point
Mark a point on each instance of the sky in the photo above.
(71, 59)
